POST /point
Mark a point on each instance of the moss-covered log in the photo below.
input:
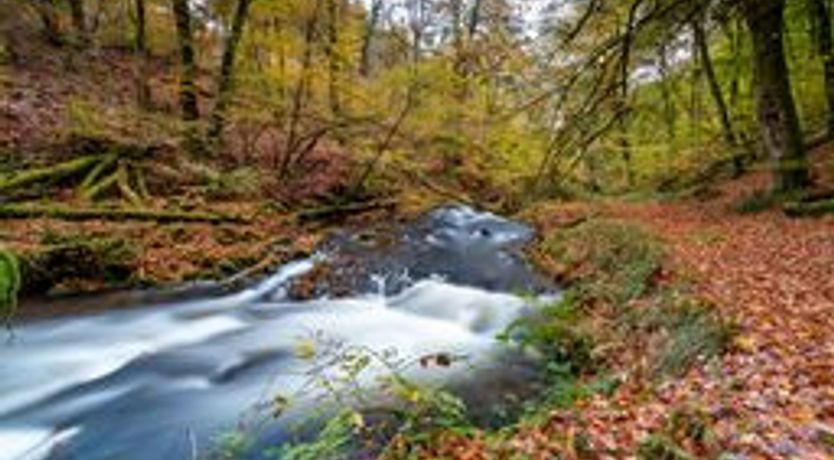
(57, 172)
(100, 260)
(809, 209)
(15, 211)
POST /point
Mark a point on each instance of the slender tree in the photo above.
(778, 119)
(79, 19)
(227, 68)
(143, 91)
(474, 18)
(368, 36)
(188, 72)
(625, 76)
(334, 65)
(730, 137)
(666, 90)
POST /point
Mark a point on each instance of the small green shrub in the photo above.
(336, 441)
(238, 183)
(233, 445)
(661, 448)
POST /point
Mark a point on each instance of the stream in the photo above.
(165, 381)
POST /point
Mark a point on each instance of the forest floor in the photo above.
(771, 396)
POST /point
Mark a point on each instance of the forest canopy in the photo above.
(506, 101)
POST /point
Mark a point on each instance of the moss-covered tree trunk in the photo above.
(778, 119)
(821, 26)
(227, 69)
(188, 73)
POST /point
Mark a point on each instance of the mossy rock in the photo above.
(108, 261)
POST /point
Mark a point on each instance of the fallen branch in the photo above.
(12, 211)
(341, 210)
(809, 209)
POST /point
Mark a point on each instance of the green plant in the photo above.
(233, 445)
(612, 261)
(756, 202)
(336, 441)
(356, 378)
(556, 330)
(661, 448)
(237, 183)
(10, 283)
(692, 330)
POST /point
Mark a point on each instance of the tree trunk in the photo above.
(368, 38)
(778, 119)
(51, 23)
(718, 97)
(622, 102)
(143, 91)
(475, 18)
(301, 89)
(188, 73)
(333, 58)
(821, 21)
(141, 43)
(669, 112)
(79, 21)
(227, 69)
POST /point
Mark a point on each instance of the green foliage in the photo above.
(10, 283)
(234, 445)
(557, 331)
(336, 441)
(661, 448)
(614, 261)
(686, 426)
(757, 202)
(240, 183)
(692, 331)
(413, 413)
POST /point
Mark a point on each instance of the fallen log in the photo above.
(809, 209)
(51, 173)
(15, 211)
(342, 210)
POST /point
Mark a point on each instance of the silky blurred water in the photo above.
(164, 381)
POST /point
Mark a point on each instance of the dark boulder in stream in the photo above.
(165, 381)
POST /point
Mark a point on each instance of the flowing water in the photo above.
(164, 381)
